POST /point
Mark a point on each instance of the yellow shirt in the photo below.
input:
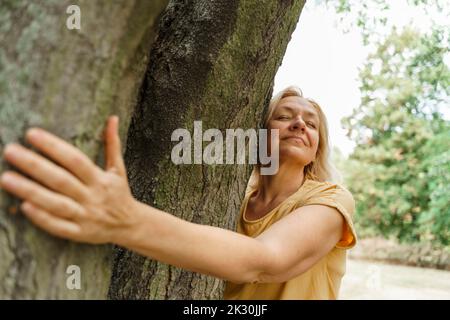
(322, 280)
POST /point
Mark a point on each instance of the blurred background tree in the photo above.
(399, 171)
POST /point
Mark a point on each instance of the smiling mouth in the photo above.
(296, 139)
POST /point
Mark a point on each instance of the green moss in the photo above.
(19, 76)
(60, 80)
(248, 47)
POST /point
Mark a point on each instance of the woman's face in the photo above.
(298, 124)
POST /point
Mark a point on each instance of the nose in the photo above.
(298, 124)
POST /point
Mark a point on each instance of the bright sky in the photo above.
(324, 62)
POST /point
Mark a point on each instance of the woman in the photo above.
(293, 227)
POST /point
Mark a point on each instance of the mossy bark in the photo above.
(213, 61)
(66, 81)
(210, 60)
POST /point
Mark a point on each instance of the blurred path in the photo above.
(375, 280)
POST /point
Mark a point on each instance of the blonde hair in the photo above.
(320, 169)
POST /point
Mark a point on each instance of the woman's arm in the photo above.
(79, 201)
(287, 249)
(205, 249)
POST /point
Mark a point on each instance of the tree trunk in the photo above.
(67, 81)
(213, 61)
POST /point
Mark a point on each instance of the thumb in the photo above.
(113, 149)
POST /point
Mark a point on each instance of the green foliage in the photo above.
(435, 221)
(371, 17)
(399, 172)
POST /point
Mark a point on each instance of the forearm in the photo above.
(205, 249)
(96, 206)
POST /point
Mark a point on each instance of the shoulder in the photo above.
(328, 193)
(336, 196)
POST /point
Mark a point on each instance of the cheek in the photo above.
(275, 125)
(314, 138)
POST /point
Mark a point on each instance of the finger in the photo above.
(30, 191)
(45, 172)
(113, 149)
(63, 153)
(53, 225)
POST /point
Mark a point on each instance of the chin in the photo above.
(295, 154)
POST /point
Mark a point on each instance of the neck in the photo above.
(288, 180)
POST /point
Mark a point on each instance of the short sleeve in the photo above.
(337, 197)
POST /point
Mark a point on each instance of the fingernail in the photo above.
(33, 133)
(25, 206)
(8, 180)
(10, 150)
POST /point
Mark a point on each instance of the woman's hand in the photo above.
(73, 199)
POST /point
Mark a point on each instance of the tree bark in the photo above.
(66, 81)
(214, 61)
